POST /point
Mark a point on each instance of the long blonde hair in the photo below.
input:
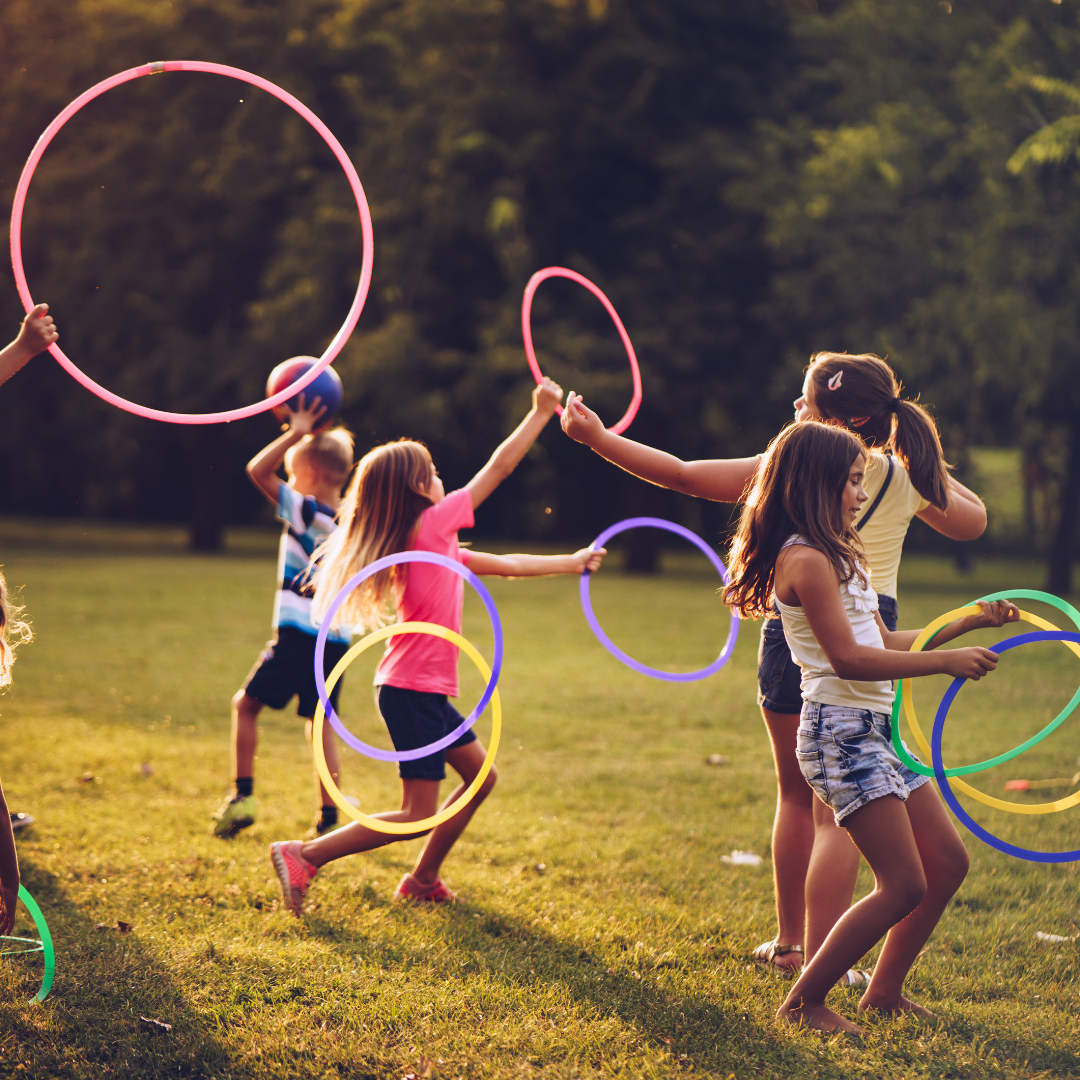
(797, 489)
(11, 626)
(388, 493)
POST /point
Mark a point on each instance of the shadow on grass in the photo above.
(644, 995)
(90, 1023)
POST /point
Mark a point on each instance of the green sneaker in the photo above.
(236, 813)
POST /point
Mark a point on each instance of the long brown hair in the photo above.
(11, 626)
(388, 493)
(863, 393)
(798, 488)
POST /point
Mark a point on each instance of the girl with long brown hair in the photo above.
(797, 548)
(396, 502)
(814, 865)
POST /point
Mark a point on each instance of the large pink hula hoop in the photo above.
(530, 352)
(354, 182)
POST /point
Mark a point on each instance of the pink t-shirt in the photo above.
(432, 594)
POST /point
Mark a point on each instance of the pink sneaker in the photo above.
(411, 889)
(294, 873)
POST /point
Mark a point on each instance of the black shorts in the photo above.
(287, 669)
(415, 718)
(779, 677)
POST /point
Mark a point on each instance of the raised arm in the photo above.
(263, 467)
(804, 577)
(718, 479)
(512, 449)
(37, 333)
(964, 520)
(514, 566)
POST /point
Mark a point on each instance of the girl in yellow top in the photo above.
(815, 868)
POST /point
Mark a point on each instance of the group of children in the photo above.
(829, 501)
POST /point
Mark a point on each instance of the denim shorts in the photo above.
(847, 757)
(779, 677)
(415, 718)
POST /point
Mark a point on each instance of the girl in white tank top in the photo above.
(797, 544)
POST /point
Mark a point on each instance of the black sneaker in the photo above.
(21, 821)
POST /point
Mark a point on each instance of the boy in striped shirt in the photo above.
(318, 466)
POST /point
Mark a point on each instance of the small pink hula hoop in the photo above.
(354, 182)
(530, 352)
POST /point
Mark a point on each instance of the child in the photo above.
(37, 333)
(318, 466)
(396, 503)
(797, 546)
(10, 626)
(814, 865)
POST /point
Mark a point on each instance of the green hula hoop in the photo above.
(44, 946)
(966, 770)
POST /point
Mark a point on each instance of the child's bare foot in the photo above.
(816, 1017)
(903, 1005)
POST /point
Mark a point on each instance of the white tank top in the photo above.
(819, 682)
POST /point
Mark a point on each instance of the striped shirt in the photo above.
(308, 523)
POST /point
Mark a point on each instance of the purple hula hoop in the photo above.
(496, 661)
(629, 661)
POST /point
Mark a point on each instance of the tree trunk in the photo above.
(643, 545)
(206, 524)
(1059, 579)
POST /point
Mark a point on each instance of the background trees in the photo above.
(748, 182)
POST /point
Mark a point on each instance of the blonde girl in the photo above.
(797, 547)
(814, 864)
(396, 502)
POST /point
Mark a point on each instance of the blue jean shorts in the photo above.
(847, 757)
(779, 677)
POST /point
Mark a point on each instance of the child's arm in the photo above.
(997, 613)
(964, 520)
(805, 577)
(510, 452)
(513, 566)
(263, 467)
(9, 869)
(38, 332)
(719, 479)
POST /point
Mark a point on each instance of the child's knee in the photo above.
(489, 783)
(246, 706)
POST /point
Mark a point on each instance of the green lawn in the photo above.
(600, 934)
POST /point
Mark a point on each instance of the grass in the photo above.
(600, 935)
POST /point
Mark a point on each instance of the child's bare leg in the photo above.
(418, 800)
(466, 761)
(793, 833)
(945, 863)
(883, 833)
(245, 732)
(830, 879)
(333, 762)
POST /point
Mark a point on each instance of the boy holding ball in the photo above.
(318, 464)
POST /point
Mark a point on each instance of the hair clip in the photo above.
(858, 421)
(834, 382)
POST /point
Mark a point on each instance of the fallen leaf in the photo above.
(159, 1027)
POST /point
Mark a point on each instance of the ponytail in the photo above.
(862, 393)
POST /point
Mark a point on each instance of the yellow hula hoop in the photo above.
(909, 712)
(405, 828)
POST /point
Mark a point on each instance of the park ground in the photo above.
(599, 932)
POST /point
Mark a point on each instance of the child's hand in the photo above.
(587, 560)
(547, 396)
(971, 663)
(580, 422)
(10, 898)
(303, 419)
(38, 331)
(997, 613)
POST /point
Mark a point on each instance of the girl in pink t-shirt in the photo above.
(396, 502)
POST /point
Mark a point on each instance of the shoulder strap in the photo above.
(880, 495)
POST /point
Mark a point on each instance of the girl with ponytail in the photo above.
(814, 863)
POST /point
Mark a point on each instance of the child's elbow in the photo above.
(846, 668)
